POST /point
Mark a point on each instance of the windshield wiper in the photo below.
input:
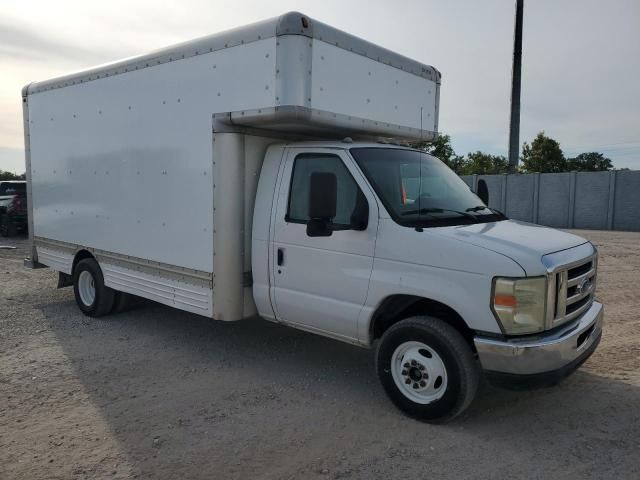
(484, 207)
(420, 211)
(476, 209)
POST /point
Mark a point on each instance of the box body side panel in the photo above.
(350, 84)
(124, 163)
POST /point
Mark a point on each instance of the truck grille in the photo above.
(575, 287)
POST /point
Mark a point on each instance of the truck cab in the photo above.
(378, 244)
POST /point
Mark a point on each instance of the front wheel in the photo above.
(427, 369)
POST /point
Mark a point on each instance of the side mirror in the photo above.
(323, 197)
(319, 228)
(360, 215)
(483, 191)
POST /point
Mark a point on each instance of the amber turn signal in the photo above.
(505, 300)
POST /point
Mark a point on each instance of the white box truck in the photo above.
(242, 174)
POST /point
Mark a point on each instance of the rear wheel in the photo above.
(427, 369)
(92, 296)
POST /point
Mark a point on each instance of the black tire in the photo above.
(104, 296)
(123, 302)
(462, 369)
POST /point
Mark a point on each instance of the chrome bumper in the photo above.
(565, 348)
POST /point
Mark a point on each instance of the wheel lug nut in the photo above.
(421, 367)
(404, 372)
(406, 365)
(423, 383)
(407, 381)
(415, 385)
(413, 363)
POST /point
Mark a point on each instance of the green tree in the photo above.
(589, 162)
(543, 155)
(484, 164)
(457, 164)
(440, 148)
(10, 176)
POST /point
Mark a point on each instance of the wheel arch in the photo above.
(81, 255)
(395, 308)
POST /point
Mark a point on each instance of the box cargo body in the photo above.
(152, 163)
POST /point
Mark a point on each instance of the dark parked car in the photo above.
(13, 207)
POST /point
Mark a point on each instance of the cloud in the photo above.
(12, 159)
(21, 43)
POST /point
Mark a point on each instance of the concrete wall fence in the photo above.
(589, 200)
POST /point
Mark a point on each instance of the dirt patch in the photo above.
(159, 393)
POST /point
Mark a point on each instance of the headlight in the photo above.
(519, 304)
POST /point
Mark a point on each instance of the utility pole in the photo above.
(514, 123)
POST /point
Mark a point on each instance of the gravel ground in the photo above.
(159, 393)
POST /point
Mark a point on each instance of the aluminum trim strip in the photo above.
(191, 298)
(163, 270)
(56, 259)
(130, 278)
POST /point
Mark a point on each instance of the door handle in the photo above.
(280, 257)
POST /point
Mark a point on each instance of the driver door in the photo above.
(320, 283)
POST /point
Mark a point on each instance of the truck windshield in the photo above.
(419, 190)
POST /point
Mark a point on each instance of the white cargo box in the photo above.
(121, 159)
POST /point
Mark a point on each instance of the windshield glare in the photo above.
(419, 190)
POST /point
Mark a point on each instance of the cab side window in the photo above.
(348, 192)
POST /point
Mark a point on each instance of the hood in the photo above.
(525, 243)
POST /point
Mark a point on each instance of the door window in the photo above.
(304, 165)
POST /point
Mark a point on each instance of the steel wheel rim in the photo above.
(419, 372)
(86, 288)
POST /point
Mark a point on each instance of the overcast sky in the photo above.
(581, 58)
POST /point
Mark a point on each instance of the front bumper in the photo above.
(545, 358)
